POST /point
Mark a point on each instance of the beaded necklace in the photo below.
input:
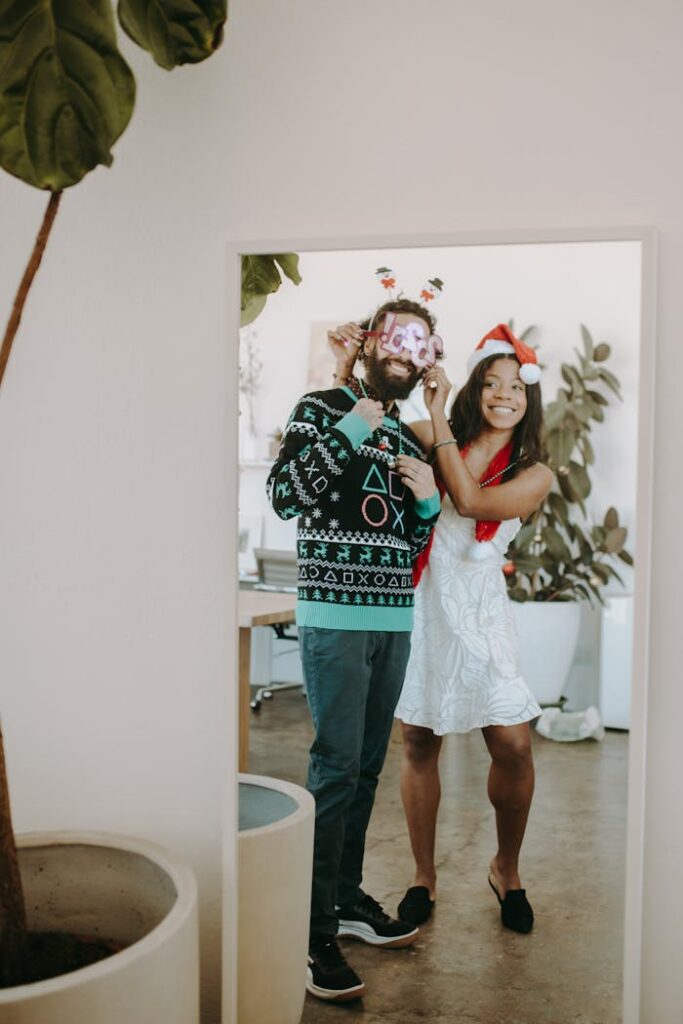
(383, 443)
(499, 473)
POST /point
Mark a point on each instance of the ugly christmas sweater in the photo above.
(359, 527)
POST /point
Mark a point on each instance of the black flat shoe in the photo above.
(515, 910)
(416, 906)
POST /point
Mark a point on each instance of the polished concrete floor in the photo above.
(465, 968)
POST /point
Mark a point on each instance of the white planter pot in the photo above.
(548, 632)
(118, 888)
(275, 850)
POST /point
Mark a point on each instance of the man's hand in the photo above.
(371, 411)
(417, 476)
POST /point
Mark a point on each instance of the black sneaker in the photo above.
(329, 976)
(366, 920)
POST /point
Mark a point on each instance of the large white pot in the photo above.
(548, 633)
(275, 844)
(119, 888)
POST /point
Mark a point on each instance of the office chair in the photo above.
(277, 571)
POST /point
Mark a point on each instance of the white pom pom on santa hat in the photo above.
(502, 342)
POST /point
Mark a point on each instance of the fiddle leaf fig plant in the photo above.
(66, 93)
(66, 96)
(560, 554)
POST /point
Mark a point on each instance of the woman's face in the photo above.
(503, 395)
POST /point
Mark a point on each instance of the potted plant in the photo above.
(63, 104)
(561, 556)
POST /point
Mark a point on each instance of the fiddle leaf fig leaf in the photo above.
(261, 277)
(289, 265)
(66, 93)
(175, 32)
(254, 306)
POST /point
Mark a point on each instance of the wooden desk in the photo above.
(256, 608)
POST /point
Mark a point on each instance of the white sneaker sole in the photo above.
(333, 995)
(366, 933)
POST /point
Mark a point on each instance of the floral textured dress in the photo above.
(464, 669)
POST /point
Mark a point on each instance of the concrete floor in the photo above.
(465, 968)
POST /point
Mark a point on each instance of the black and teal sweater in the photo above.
(359, 528)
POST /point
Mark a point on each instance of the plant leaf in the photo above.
(587, 341)
(251, 310)
(555, 545)
(289, 264)
(261, 277)
(175, 31)
(602, 352)
(625, 557)
(611, 519)
(560, 445)
(615, 540)
(66, 93)
(610, 380)
(579, 479)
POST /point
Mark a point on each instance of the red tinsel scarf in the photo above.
(485, 529)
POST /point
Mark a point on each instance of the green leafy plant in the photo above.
(66, 96)
(560, 554)
(261, 277)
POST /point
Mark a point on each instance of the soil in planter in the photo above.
(53, 953)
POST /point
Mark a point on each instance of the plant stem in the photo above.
(12, 907)
(27, 280)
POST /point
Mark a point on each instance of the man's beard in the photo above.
(381, 380)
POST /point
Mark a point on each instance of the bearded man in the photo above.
(356, 477)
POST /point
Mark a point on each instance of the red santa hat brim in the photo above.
(502, 342)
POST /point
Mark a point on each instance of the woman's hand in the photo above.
(416, 475)
(437, 388)
(345, 343)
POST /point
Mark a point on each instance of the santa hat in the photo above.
(502, 342)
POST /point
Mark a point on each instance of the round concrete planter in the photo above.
(548, 632)
(114, 887)
(275, 844)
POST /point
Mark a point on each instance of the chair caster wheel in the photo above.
(255, 705)
(267, 695)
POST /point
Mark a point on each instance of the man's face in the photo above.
(393, 374)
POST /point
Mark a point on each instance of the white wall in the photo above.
(317, 119)
(114, 673)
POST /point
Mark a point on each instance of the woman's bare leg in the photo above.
(510, 790)
(421, 792)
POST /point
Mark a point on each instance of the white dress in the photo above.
(463, 671)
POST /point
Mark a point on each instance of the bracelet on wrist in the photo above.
(439, 444)
(342, 380)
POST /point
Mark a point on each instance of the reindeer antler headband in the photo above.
(424, 351)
